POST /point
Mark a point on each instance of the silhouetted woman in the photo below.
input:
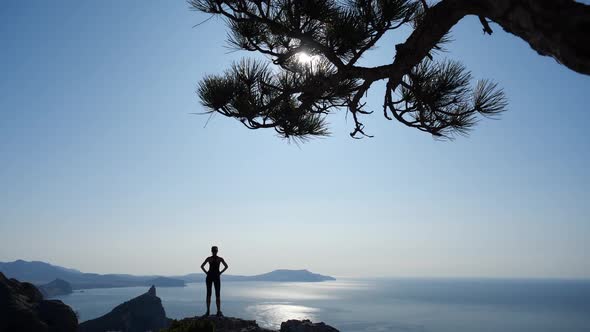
(213, 278)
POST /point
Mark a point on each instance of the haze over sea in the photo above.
(370, 305)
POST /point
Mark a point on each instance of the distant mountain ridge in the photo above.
(36, 272)
(40, 273)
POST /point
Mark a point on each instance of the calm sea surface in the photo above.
(429, 305)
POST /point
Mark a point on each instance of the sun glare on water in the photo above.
(270, 315)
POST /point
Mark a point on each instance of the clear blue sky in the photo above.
(103, 169)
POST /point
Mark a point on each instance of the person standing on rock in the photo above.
(213, 278)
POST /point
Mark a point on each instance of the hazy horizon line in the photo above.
(344, 276)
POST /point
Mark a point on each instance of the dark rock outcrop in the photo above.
(217, 324)
(22, 308)
(305, 326)
(143, 313)
(55, 288)
(231, 324)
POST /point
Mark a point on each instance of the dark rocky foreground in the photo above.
(22, 308)
(231, 324)
(305, 326)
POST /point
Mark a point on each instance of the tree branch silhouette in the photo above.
(431, 95)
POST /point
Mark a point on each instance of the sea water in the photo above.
(371, 305)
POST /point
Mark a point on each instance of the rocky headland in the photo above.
(55, 288)
(143, 313)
